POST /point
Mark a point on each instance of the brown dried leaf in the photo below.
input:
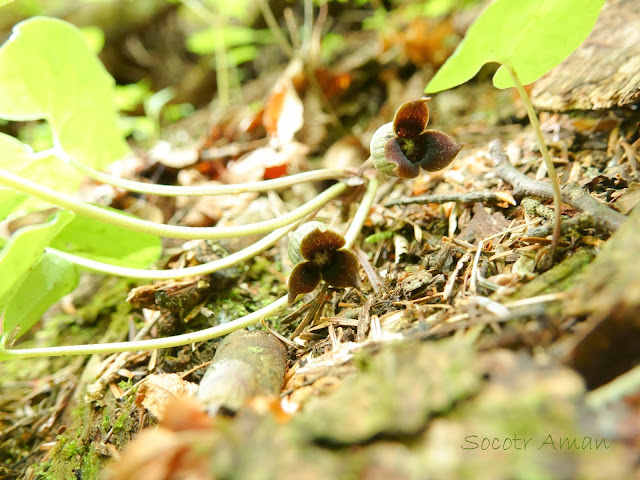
(283, 114)
(426, 41)
(186, 413)
(264, 163)
(629, 199)
(162, 152)
(483, 224)
(347, 152)
(333, 84)
(156, 391)
(179, 448)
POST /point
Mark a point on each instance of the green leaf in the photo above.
(15, 156)
(50, 171)
(94, 37)
(48, 71)
(378, 237)
(242, 54)
(129, 96)
(532, 36)
(23, 251)
(48, 281)
(206, 41)
(107, 243)
(9, 199)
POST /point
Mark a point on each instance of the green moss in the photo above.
(122, 422)
(65, 458)
(41, 470)
(125, 424)
(258, 287)
(106, 422)
(71, 448)
(126, 385)
(75, 452)
(91, 465)
(75, 457)
(559, 278)
(111, 294)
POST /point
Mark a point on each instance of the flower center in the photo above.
(413, 148)
(320, 258)
(408, 146)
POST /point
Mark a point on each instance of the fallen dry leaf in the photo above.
(264, 163)
(283, 114)
(156, 391)
(178, 449)
(629, 199)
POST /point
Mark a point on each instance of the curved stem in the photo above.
(199, 190)
(48, 195)
(272, 23)
(167, 342)
(216, 21)
(551, 170)
(202, 335)
(205, 268)
(362, 213)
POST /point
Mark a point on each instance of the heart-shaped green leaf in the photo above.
(47, 281)
(108, 243)
(531, 36)
(48, 71)
(23, 251)
(18, 158)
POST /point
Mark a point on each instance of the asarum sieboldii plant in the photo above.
(401, 147)
(317, 254)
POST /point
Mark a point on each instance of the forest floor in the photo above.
(469, 351)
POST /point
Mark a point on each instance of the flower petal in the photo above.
(395, 156)
(298, 236)
(342, 271)
(318, 241)
(411, 118)
(438, 150)
(304, 278)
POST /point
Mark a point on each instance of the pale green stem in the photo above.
(170, 231)
(216, 22)
(362, 213)
(156, 343)
(222, 69)
(200, 190)
(205, 268)
(272, 23)
(551, 170)
(188, 338)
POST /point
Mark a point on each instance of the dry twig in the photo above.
(605, 218)
(470, 197)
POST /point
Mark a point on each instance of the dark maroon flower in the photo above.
(317, 254)
(401, 147)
